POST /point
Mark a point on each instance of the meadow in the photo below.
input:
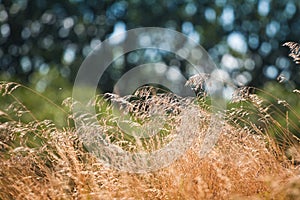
(256, 156)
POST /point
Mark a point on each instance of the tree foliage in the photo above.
(243, 37)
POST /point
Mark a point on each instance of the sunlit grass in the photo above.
(257, 154)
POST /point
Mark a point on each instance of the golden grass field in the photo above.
(39, 160)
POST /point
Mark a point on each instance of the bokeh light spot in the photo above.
(237, 42)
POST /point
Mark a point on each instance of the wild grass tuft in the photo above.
(256, 156)
(295, 51)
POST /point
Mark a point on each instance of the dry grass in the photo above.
(40, 161)
(294, 51)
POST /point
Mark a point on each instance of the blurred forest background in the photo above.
(43, 43)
